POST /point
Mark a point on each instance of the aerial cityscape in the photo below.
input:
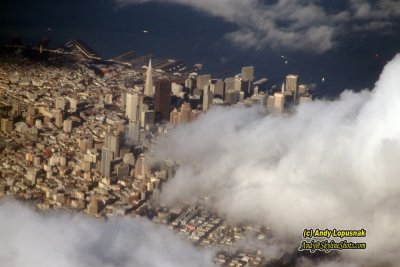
(144, 159)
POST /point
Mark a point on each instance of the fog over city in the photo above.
(330, 164)
(32, 239)
(199, 133)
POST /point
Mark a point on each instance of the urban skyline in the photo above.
(199, 133)
(85, 143)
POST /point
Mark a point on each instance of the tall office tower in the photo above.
(248, 73)
(233, 83)
(190, 83)
(270, 103)
(142, 167)
(148, 86)
(202, 80)
(184, 113)
(296, 95)
(217, 88)
(174, 117)
(147, 118)
(106, 158)
(162, 98)
(133, 103)
(112, 143)
(58, 119)
(238, 84)
(247, 79)
(291, 83)
(279, 102)
(208, 96)
(133, 131)
(229, 84)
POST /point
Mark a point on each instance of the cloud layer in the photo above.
(295, 24)
(331, 164)
(30, 239)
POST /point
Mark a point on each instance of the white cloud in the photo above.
(53, 239)
(382, 9)
(294, 24)
(331, 164)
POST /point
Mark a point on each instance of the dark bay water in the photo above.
(180, 32)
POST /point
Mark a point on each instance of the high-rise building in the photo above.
(58, 119)
(190, 83)
(133, 131)
(162, 98)
(142, 167)
(112, 142)
(174, 117)
(106, 158)
(147, 118)
(291, 83)
(184, 113)
(247, 79)
(279, 101)
(217, 88)
(248, 73)
(203, 80)
(271, 103)
(148, 86)
(208, 96)
(229, 84)
(233, 83)
(133, 103)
